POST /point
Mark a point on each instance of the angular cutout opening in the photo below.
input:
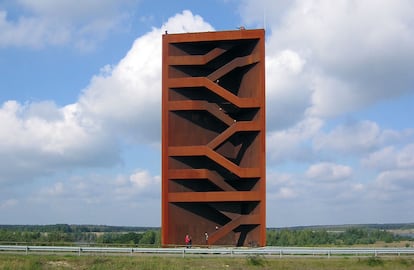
(192, 185)
(235, 148)
(231, 81)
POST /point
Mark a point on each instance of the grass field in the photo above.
(37, 262)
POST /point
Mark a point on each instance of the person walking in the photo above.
(206, 237)
(187, 241)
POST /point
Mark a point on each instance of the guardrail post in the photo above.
(79, 251)
(280, 253)
(183, 252)
(27, 250)
(329, 254)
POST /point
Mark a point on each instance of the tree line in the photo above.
(70, 228)
(149, 237)
(350, 236)
(64, 234)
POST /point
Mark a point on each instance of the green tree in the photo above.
(148, 238)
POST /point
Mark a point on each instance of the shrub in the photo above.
(256, 260)
(374, 261)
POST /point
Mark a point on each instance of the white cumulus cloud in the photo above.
(127, 97)
(329, 172)
(391, 157)
(287, 95)
(34, 144)
(293, 143)
(122, 103)
(355, 54)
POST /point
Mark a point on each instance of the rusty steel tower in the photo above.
(213, 138)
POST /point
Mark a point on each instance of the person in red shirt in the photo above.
(187, 240)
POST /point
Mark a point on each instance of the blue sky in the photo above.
(80, 102)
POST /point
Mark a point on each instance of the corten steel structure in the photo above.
(213, 138)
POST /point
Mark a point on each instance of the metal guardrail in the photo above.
(267, 251)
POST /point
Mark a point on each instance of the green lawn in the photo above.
(43, 261)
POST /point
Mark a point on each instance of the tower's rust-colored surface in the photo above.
(213, 138)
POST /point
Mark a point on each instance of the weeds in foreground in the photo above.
(256, 260)
(95, 262)
(374, 261)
